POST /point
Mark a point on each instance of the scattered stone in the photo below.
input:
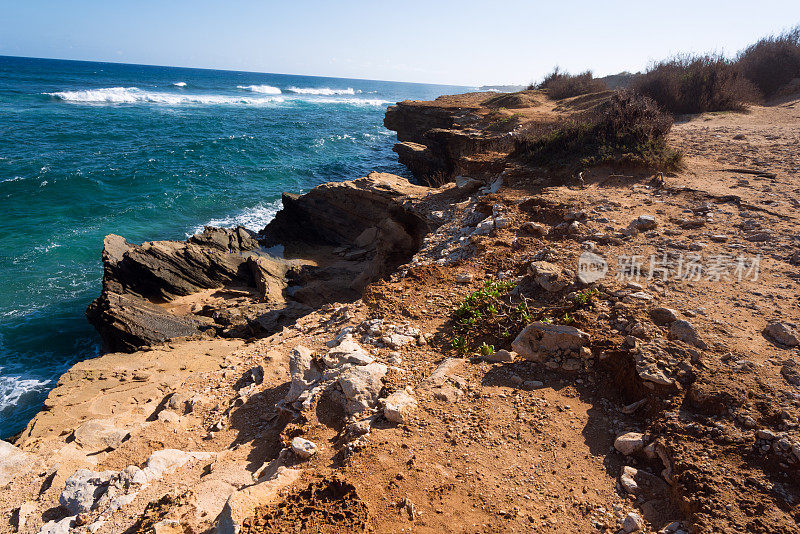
(501, 355)
(782, 333)
(82, 489)
(630, 443)
(719, 238)
(303, 448)
(533, 228)
(663, 316)
(24, 511)
(398, 406)
(545, 337)
(361, 386)
(632, 522)
(464, 278)
(684, 331)
(347, 351)
(445, 369)
(548, 276)
(168, 416)
(58, 527)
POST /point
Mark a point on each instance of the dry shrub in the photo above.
(560, 85)
(628, 130)
(773, 63)
(696, 84)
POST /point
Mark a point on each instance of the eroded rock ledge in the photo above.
(338, 237)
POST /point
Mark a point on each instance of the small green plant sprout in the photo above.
(586, 297)
(459, 344)
(567, 319)
(547, 320)
(486, 350)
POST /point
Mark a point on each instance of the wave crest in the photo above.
(15, 388)
(255, 218)
(134, 95)
(263, 89)
(324, 91)
(179, 84)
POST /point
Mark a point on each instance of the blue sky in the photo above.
(465, 42)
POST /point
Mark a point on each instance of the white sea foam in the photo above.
(324, 91)
(255, 218)
(14, 388)
(134, 95)
(352, 101)
(179, 84)
(263, 89)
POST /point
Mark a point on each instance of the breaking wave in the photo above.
(134, 95)
(15, 388)
(179, 84)
(324, 91)
(263, 89)
(255, 218)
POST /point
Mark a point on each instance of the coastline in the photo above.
(348, 342)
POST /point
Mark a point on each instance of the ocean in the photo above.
(88, 149)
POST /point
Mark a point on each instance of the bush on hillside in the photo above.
(628, 130)
(773, 63)
(696, 84)
(560, 85)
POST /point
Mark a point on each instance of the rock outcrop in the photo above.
(447, 136)
(223, 282)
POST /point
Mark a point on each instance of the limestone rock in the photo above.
(544, 337)
(663, 316)
(83, 488)
(347, 351)
(13, 462)
(303, 448)
(633, 522)
(303, 370)
(168, 460)
(548, 276)
(501, 355)
(361, 385)
(398, 406)
(269, 276)
(685, 331)
(630, 443)
(99, 435)
(782, 333)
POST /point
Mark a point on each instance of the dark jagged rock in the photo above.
(369, 210)
(139, 279)
(168, 269)
(127, 322)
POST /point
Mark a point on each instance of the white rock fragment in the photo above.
(303, 448)
(632, 523)
(630, 443)
(398, 406)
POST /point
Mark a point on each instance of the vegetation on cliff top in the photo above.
(627, 130)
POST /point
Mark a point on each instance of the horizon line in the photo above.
(240, 71)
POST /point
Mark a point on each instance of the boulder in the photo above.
(782, 333)
(545, 337)
(398, 406)
(500, 356)
(347, 351)
(548, 276)
(168, 460)
(303, 371)
(83, 488)
(269, 276)
(361, 385)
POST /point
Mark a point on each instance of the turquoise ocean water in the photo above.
(88, 149)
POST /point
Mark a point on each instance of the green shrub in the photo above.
(627, 130)
(696, 84)
(773, 63)
(560, 85)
